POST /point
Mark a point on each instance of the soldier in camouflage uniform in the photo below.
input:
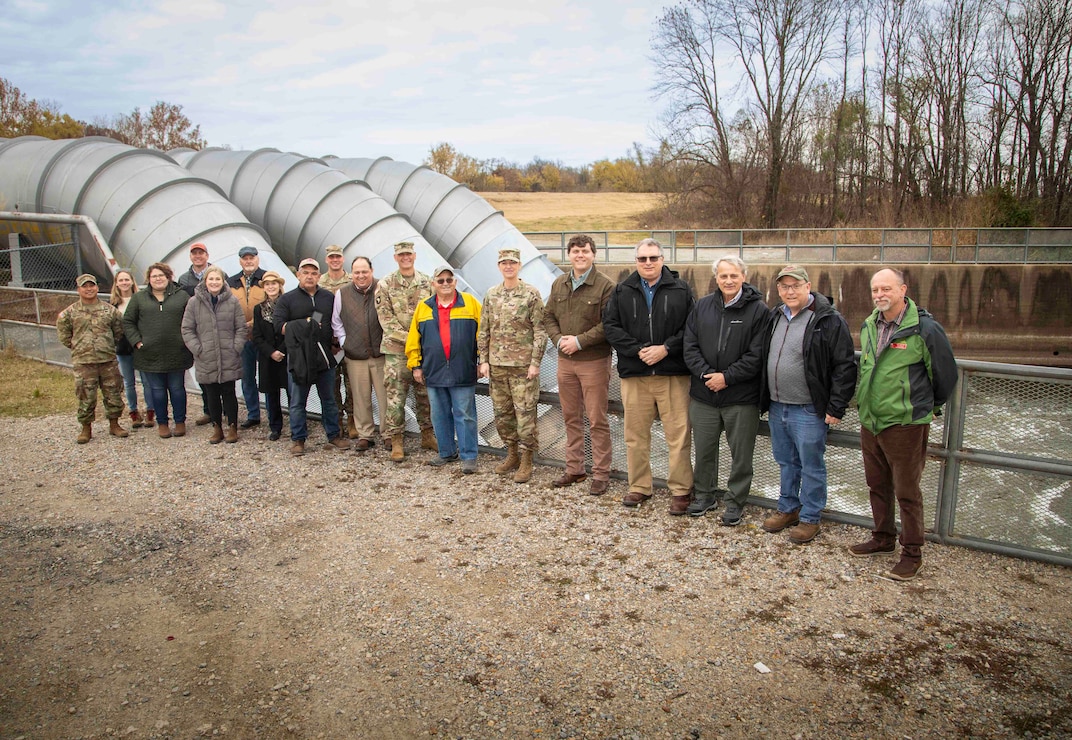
(335, 278)
(512, 340)
(90, 328)
(397, 297)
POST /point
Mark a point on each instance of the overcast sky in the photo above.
(564, 80)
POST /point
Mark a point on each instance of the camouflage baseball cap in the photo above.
(85, 278)
(333, 249)
(509, 255)
(404, 248)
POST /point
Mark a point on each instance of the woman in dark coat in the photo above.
(214, 330)
(271, 348)
(153, 324)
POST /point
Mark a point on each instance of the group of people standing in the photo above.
(703, 368)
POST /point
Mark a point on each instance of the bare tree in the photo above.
(163, 127)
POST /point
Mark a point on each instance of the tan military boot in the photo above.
(217, 434)
(231, 435)
(524, 468)
(511, 462)
(86, 434)
(397, 452)
(428, 440)
(116, 429)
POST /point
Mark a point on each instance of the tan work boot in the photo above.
(231, 435)
(524, 468)
(511, 462)
(86, 434)
(217, 434)
(116, 429)
(397, 452)
(351, 428)
(428, 440)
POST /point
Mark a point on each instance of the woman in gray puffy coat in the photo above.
(214, 329)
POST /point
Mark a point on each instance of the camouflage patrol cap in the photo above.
(404, 248)
(510, 255)
(333, 249)
(85, 278)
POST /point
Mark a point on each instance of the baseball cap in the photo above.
(441, 269)
(309, 262)
(199, 245)
(793, 271)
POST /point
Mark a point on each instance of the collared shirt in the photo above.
(444, 322)
(649, 290)
(789, 314)
(577, 282)
(735, 298)
(886, 329)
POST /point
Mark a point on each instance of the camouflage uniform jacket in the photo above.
(397, 298)
(329, 283)
(511, 326)
(90, 332)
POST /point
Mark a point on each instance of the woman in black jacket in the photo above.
(273, 356)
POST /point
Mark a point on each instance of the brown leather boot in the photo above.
(116, 429)
(428, 440)
(351, 427)
(163, 430)
(135, 419)
(180, 429)
(397, 453)
(511, 462)
(217, 434)
(524, 468)
(150, 418)
(86, 434)
(231, 435)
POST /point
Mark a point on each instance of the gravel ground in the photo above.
(169, 588)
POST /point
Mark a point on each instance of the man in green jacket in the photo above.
(907, 370)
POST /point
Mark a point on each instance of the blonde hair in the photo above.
(116, 298)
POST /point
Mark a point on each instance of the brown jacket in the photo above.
(580, 313)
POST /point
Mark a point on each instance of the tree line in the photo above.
(163, 126)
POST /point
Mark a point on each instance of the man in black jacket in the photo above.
(644, 321)
(810, 377)
(311, 303)
(724, 339)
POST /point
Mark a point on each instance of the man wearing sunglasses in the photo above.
(645, 323)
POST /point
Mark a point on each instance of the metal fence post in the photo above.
(954, 440)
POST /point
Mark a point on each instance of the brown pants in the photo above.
(583, 388)
(893, 467)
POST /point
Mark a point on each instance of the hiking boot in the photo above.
(297, 447)
(202, 420)
(779, 520)
(905, 570)
(568, 479)
(680, 504)
(338, 443)
(230, 436)
(164, 431)
(732, 516)
(598, 487)
(702, 503)
(116, 429)
(804, 532)
(135, 419)
(150, 418)
(524, 469)
(217, 434)
(870, 548)
(351, 428)
(397, 453)
(438, 462)
(180, 429)
(510, 462)
(428, 440)
(468, 467)
(86, 434)
(634, 498)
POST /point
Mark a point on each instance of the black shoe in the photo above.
(702, 503)
(248, 423)
(438, 462)
(274, 436)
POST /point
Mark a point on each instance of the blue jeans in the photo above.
(163, 385)
(126, 367)
(250, 394)
(454, 412)
(329, 412)
(798, 441)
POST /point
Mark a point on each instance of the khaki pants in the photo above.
(366, 376)
(642, 397)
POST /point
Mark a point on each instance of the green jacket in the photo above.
(158, 326)
(910, 379)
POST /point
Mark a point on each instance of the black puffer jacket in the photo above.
(728, 341)
(629, 325)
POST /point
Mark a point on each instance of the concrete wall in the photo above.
(1001, 313)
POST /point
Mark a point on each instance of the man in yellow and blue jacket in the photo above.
(441, 353)
(907, 370)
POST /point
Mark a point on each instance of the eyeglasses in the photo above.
(654, 258)
(444, 281)
(791, 287)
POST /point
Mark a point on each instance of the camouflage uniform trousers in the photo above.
(397, 379)
(91, 376)
(514, 397)
(344, 405)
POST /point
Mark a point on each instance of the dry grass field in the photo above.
(575, 211)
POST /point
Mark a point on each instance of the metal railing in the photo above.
(886, 246)
(999, 477)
